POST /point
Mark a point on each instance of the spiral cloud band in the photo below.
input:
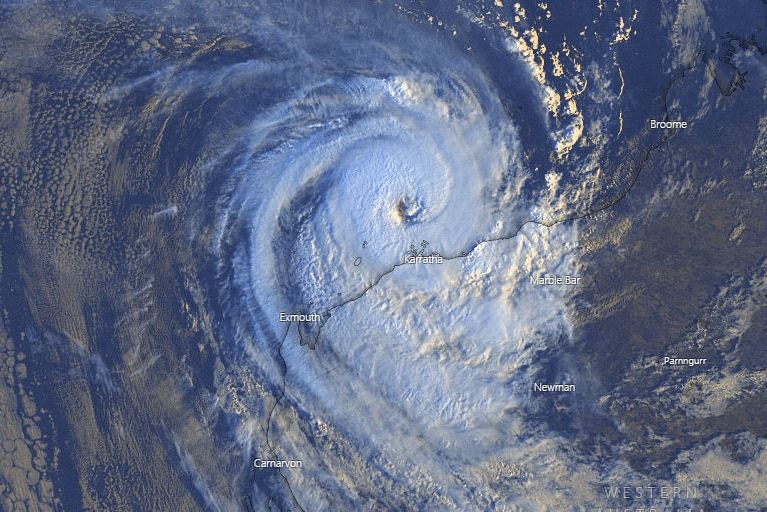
(386, 255)
(384, 213)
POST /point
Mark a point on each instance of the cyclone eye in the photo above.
(408, 210)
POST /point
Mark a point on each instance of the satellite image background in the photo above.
(321, 234)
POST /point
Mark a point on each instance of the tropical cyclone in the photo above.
(227, 186)
(416, 361)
